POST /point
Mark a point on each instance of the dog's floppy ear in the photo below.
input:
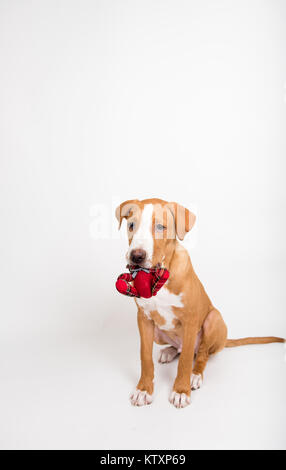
(125, 209)
(184, 219)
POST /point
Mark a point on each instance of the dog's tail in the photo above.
(231, 343)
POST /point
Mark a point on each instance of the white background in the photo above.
(103, 101)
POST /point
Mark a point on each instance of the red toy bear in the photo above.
(146, 282)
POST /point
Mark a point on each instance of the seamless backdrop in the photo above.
(102, 101)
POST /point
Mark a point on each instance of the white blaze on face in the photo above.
(143, 238)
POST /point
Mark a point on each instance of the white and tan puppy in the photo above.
(181, 314)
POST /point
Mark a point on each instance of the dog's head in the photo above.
(152, 228)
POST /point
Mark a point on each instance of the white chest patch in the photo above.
(162, 303)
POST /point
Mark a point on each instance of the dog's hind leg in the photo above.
(212, 341)
(168, 354)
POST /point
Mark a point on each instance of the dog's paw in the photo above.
(141, 398)
(196, 381)
(167, 354)
(179, 400)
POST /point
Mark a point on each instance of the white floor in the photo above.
(73, 393)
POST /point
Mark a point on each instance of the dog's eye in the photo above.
(131, 226)
(160, 227)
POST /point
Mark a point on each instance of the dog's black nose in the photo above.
(137, 256)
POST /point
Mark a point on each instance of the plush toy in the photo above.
(145, 282)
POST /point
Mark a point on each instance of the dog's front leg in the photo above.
(144, 391)
(180, 396)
